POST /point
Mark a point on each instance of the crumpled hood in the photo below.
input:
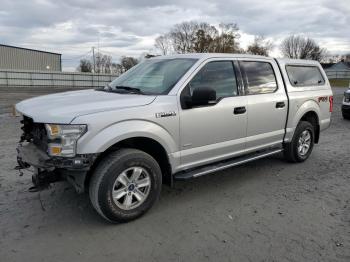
(62, 108)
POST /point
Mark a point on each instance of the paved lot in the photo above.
(268, 210)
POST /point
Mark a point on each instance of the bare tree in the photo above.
(227, 41)
(200, 37)
(204, 40)
(182, 36)
(103, 63)
(163, 43)
(125, 64)
(346, 57)
(116, 69)
(85, 66)
(300, 47)
(260, 46)
(128, 62)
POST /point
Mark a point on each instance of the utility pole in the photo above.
(93, 58)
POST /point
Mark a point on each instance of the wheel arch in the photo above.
(309, 111)
(142, 143)
(100, 140)
(312, 118)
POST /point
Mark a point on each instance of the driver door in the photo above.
(216, 131)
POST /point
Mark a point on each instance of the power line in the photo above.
(107, 52)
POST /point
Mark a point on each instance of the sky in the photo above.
(129, 27)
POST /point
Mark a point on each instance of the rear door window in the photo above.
(304, 75)
(259, 77)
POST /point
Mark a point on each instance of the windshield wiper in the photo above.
(108, 86)
(130, 89)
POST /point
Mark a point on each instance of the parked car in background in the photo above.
(173, 118)
(346, 105)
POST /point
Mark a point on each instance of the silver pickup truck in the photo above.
(173, 118)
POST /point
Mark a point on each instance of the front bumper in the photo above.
(345, 110)
(52, 169)
(33, 156)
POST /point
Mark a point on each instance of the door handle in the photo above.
(239, 110)
(280, 105)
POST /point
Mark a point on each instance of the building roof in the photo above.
(22, 48)
(340, 66)
(327, 65)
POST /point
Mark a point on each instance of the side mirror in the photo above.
(203, 96)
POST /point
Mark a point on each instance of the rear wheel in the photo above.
(125, 185)
(300, 148)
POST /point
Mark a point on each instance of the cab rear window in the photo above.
(304, 75)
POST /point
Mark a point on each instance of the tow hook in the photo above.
(21, 165)
(42, 179)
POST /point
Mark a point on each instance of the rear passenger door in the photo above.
(266, 104)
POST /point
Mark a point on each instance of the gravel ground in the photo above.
(12, 95)
(267, 210)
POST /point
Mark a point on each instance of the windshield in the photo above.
(154, 76)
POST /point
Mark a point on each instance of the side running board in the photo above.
(207, 169)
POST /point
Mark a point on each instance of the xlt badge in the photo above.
(165, 114)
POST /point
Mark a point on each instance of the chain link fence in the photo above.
(337, 74)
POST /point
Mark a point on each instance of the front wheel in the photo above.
(346, 116)
(125, 184)
(300, 148)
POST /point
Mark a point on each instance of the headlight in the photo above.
(63, 139)
(346, 97)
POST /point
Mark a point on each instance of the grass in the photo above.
(339, 82)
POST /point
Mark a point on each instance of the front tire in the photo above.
(125, 185)
(300, 148)
(346, 116)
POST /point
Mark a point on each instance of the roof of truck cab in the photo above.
(210, 55)
(203, 56)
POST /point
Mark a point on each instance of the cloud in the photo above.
(72, 27)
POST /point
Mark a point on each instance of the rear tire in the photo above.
(300, 148)
(125, 185)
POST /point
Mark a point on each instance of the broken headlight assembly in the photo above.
(63, 139)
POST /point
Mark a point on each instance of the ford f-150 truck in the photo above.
(173, 118)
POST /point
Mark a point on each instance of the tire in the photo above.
(346, 116)
(345, 112)
(113, 177)
(291, 150)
